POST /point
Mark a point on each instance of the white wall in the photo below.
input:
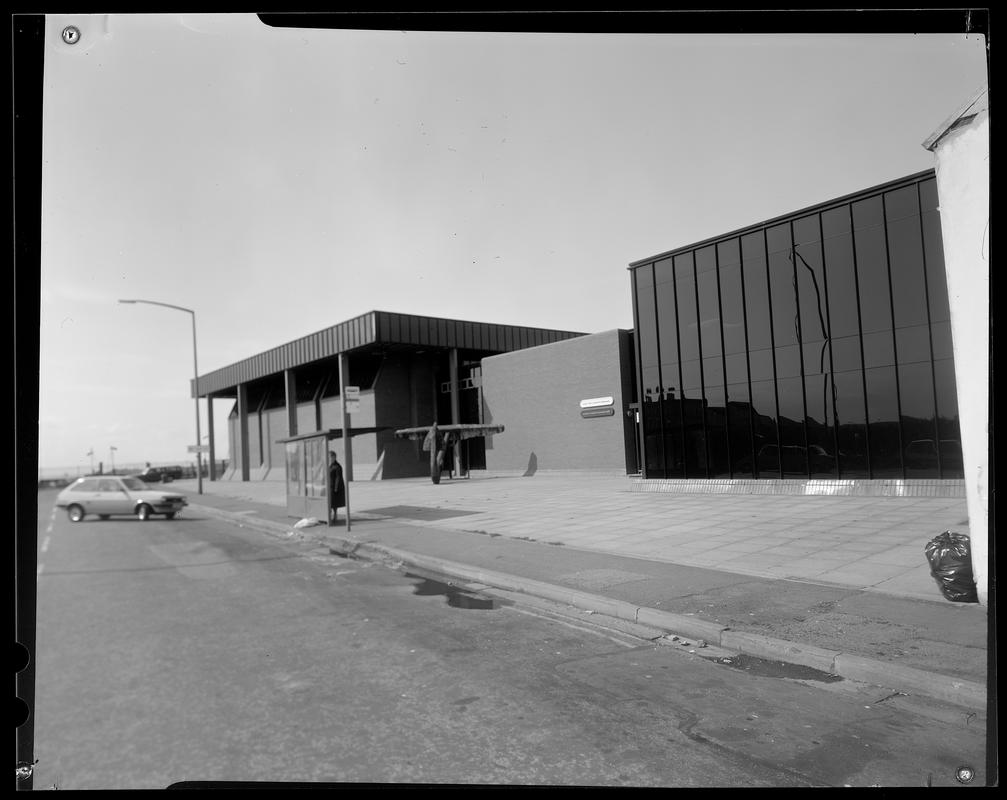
(963, 188)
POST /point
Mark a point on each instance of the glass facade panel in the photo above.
(872, 266)
(716, 433)
(919, 423)
(767, 451)
(781, 287)
(842, 289)
(760, 332)
(883, 418)
(852, 427)
(905, 257)
(688, 324)
(820, 426)
(947, 420)
(739, 430)
(817, 346)
(933, 253)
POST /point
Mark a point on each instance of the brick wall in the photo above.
(536, 394)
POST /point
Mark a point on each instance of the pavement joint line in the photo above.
(847, 665)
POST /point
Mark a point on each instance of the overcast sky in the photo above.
(280, 181)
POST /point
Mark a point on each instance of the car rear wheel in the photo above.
(144, 512)
(170, 515)
(103, 516)
(76, 513)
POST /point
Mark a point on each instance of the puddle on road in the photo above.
(457, 598)
(776, 669)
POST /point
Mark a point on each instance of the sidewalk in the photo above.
(840, 584)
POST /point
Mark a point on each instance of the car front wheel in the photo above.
(76, 513)
(144, 512)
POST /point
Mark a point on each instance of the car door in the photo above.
(111, 498)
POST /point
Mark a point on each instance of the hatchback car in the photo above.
(108, 495)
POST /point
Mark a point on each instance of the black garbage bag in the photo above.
(950, 558)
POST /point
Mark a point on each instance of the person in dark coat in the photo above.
(336, 487)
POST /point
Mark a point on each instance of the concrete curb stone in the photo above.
(847, 665)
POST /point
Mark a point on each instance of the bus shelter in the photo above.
(308, 490)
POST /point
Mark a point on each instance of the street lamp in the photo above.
(111, 455)
(195, 368)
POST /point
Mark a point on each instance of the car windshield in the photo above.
(134, 483)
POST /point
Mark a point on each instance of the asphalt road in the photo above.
(192, 650)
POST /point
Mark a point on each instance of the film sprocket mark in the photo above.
(964, 774)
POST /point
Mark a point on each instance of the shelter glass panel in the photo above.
(709, 302)
(781, 283)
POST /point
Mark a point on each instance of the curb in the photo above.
(851, 666)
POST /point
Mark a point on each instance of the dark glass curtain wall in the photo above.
(818, 346)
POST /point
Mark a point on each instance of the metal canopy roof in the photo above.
(377, 328)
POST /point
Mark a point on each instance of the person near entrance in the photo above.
(337, 489)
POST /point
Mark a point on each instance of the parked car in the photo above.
(174, 473)
(153, 475)
(110, 495)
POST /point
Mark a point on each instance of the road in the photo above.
(193, 650)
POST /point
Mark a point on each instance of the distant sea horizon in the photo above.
(55, 473)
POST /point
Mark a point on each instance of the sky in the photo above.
(279, 181)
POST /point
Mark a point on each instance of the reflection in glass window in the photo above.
(905, 257)
(674, 463)
(919, 424)
(790, 400)
(781, 287)
(852, 430)
(872, 266)
(716, 432)
(756, 282)
(295, 456)
(842, 283)
(819, 422)
(646, 321)
(650, 422)
(688, 324)
(933, 253)
(694, 437)
(883, 418)
(767, 463)
(739, 430)
(947, 419)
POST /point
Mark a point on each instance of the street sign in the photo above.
(352, 392)
(594, 402)
(199, 448)
(352, 405)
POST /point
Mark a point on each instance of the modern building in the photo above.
(813, 345)
(409, 370)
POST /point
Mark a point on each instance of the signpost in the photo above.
(199, 448)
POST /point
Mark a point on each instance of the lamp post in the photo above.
(111, 456)
(91, 454)
(195, 368)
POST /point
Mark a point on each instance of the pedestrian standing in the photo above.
(337, 488)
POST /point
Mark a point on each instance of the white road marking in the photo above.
(45, 544)
(39, 570)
